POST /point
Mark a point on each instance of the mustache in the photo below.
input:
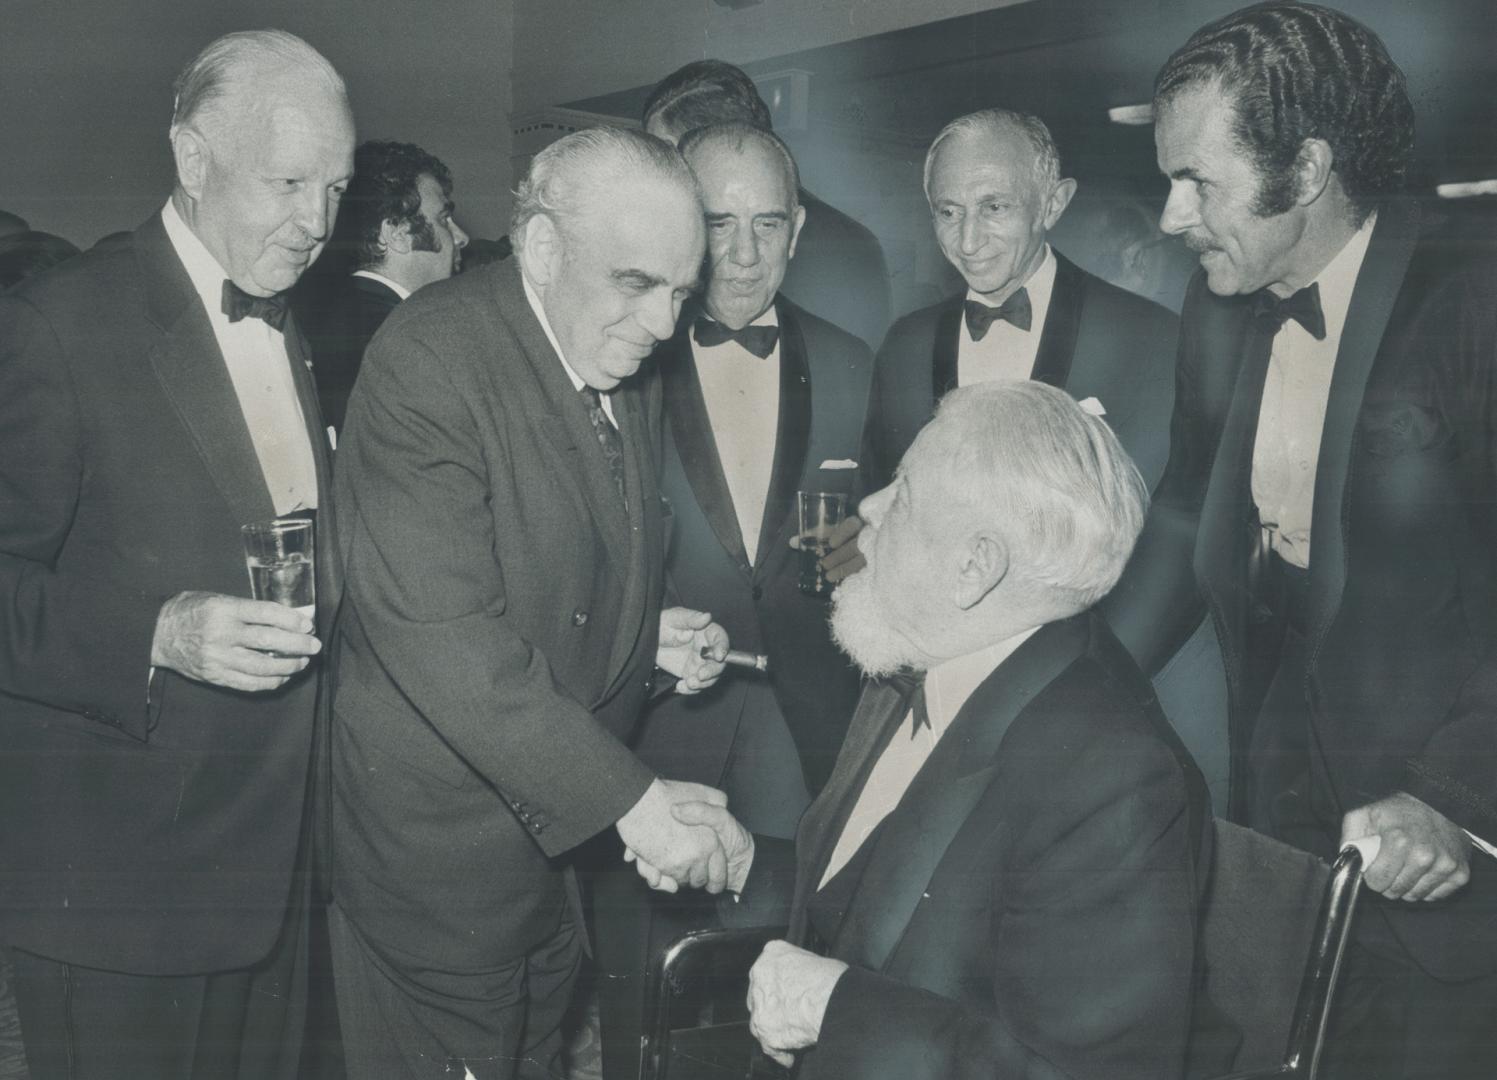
(1199, 244)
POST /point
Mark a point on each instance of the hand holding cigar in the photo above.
(739, 658)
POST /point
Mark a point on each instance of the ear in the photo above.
(192, 157)
(796, 222)
(542, 247)
(982, 565)
(1312, 170)
(1060, 198)
(394, 237)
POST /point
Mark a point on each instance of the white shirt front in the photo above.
(948, 685)
(255, 355)
(534, 300)
(1291, 419)
(742, 393)
(1005, 351)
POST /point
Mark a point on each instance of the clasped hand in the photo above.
(1422, 856)
(787, 998)
(681, 833)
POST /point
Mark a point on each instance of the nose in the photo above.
(971, 236)
(745, 248)
(658, 313)
(1180, 209)
(312, 213)
(459, 237)
(873, 507)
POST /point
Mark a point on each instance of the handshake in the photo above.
(680, 833)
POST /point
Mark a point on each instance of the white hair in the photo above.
(236, 66)
(1046, 165)
(1024, 459)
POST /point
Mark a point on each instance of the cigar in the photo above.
(738, 658)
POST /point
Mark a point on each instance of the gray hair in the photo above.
(237, 64)
(566, 172)
(1053, 479)
(1046, 164)
(735, 136)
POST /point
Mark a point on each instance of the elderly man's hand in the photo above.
(844, 559)
(684, 633)
(737, 842)
(1423, 855)
(788, 992)
(667, 853)
(228, 640)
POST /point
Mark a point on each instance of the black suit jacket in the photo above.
(498, 638)
(1402, 604)
(824, 376)
(158, 838)
(1098, 341)
(339, 323)
(1029, 907)
(839, 272)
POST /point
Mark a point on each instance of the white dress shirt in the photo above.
(261, 373)
(1005, 351)
(606, 396)
(742, 393)
(1292, 416)
(948, 685)
(394, 286)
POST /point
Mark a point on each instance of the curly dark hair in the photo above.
(1300, 71)
(383, 189)
(703, 93)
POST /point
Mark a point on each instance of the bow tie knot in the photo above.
(238, 304)
(759, 340)
(1303, 307)
(1016, 310)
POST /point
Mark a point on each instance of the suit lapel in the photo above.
(1378, 284)
(1057, 348)
(329, 571)
(793, 432)
(691, 430)
(913, 839)
(944, 348)
(195, 379)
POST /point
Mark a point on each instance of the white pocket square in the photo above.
(839, 463)
(1093, 406)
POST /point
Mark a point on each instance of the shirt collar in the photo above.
(768, 317)
(1040, 284)
(950, 683)
(540, 313)
(394, 286)
(202, 268)
(1339, 278)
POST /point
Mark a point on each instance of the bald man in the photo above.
(157, 722)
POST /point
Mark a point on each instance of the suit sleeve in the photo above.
(1156, 605)
(70, 638)
(426, 585)
(1092, 948)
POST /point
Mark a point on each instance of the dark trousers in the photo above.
(403, 1019)
(80, 1023)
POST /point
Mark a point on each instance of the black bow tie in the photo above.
(911, 687)
(1303, 307)
(1014, 310)
(759, 340)
(238, 304)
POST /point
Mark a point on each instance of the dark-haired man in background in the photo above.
(1336, 384)
(398, 232)
(839, 272)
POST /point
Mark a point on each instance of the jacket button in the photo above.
(579, 617)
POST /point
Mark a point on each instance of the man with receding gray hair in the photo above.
(504, 541)
(157, 722)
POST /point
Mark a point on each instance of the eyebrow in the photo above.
(1187, 173)
(637, 278)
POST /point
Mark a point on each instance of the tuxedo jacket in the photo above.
(149, 835)
(1098, 341)
(824, 376)
(1028, 909)
(1401, 613)
(497, 641)
(339, 324)
(839, 273)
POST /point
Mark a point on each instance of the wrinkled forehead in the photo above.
(648, 224)
(965, 160)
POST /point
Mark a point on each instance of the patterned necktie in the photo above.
(238, 304)
(1303, 307)
(911, 687)
(1016, 309)
(759, 340)
(608, 438)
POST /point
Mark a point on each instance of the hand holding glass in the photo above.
(820, 513)
(279, 555)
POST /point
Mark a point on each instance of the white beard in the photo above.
(861, 630)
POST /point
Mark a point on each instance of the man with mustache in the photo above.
(1329, 499)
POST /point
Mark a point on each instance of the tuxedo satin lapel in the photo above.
(329, 571)
(564, 405)
(195, 378)
(1372, 299)
(913, 839)
(943, 349)
(792, 435)
(1057, 348)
